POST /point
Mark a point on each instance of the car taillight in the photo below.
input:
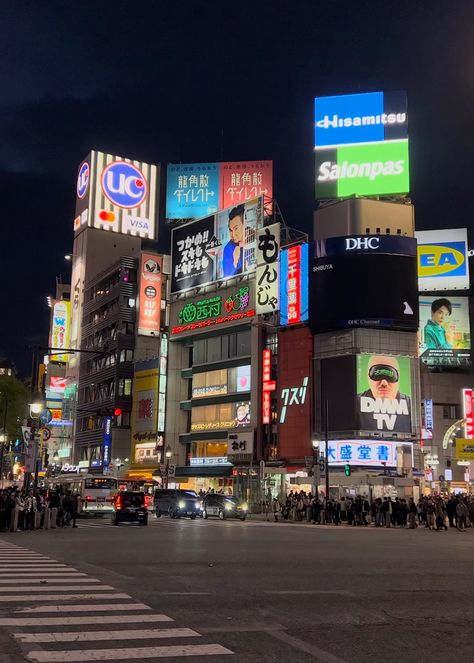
(89, 498)
(118, 504)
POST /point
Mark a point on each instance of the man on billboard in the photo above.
(382, 406)
(434, 332)
(233, 251)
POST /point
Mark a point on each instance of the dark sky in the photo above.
(192, 80)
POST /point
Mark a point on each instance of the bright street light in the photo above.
(35, 408)
(168, 452)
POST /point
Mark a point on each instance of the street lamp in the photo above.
(35, 410)
(168, 455)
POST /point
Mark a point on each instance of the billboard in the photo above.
(294, 274)
(268, 269)
(361, 144)
(221, 310)
(60, 328)
(363, 452)
(145, 438)
(443, 260)
(384, 393)
(357, 289)
(216, 247)
(116, 194)
(366, 244)
(445, 334)
(468, 413)
(220, 416)
(464, 449)
(194, 190)
(149, 297)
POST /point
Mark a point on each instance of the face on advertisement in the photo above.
(384, 376)
(233, 250)
(440, 310)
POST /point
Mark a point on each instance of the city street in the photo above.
(253, 591)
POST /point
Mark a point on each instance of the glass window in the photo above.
(214, 349)
(243, 344)
(211, 383)
(125, 387)
(220, 416)
(199, 352)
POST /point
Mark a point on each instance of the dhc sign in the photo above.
(124, 184)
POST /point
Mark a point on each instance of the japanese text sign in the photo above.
(267, 276)
(362, 452)
(294, 284)
(192, 190)
(149, 302)
(468, 413)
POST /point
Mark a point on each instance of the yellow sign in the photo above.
(464, 449)
(144, 448)
(437, 259)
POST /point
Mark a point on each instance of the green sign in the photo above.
(364, 170)
(213, 307)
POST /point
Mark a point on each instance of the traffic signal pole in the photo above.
(326, 444)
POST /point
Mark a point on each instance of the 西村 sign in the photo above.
(443, 260)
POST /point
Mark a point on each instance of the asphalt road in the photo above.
(230, 591)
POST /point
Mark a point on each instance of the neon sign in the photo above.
(268, 385)
(214, 311)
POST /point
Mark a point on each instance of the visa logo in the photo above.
(441, 259)
(138, 224)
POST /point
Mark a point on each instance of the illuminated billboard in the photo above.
(60, 329)
(220, 416)
(268, 269)
(195, 190)
(443, 260)
(445, 334)
(116, 194)
(146, 442)
(216, 247)
(149, 300)
(363, 452)
(384, 393)
(294, 274)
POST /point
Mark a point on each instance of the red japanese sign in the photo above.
(268, 385)
(468, 413)
(149, 303)
(243, 180)
(294, 284)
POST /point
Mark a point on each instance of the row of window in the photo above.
(220, 382)
(220, 348)
(104, 391)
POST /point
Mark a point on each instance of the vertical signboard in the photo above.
(192, 190)
(427, 430)
(268, 385)
(116, 194)
(192, 259)
(60, 328)
(243, 180)
(145, 412)
(163, 382)
(107, 441)
(149, 299)
(294, 277)
(268, 251)
(443, 260)
(468, 413)
(445, 334)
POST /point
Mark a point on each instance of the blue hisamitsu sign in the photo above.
(192, 190)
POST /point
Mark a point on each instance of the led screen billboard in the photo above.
(149, 299)
(294, 275)
(361, 144)
(217, 247)
(445, 334)
(443, 260)
(60, 328)
(194, 190)
(116, 194)
(360, 290)
(384, 393)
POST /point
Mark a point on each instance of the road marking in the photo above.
(60, 597)
(89, 636)
(30, 566)
(184, 593)
(24, 581)
(321, 655)
(89, 619)
(65, 588)
(124, 654)
(90, 607)
(31, 574)
(283, 592)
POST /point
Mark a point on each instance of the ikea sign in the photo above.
(442, 260)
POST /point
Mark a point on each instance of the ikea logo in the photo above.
(446, 258)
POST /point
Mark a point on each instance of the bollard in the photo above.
(54, 517)
(47, 518)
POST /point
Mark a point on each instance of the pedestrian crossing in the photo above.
(166, 521)
(67, 611)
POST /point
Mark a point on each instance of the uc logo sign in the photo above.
(442, 259)
(83, 180)
(124, 184)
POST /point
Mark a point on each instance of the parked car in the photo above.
(177, 503)
(223, 506)
(130, 507)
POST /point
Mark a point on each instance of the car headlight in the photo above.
(181, 504)
(228, 506)
(198, 505)
(244, 506)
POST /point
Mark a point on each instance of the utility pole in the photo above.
(326, 444)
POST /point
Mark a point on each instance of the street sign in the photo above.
(322, 467)
(171, 470)
(46, 432)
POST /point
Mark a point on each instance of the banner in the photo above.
(149, 298)
(145, 438)
(464, 449)
(443, 260)
(268, 269)
(445, 334)
(60, 328)
(384, 393)
(243, 180)
(192, 190)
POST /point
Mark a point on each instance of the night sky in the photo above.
(193, 80)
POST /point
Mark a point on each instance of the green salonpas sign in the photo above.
(364, 170)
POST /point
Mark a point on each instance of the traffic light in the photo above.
(347, 470)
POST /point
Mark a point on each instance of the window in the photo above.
(211, 383)
(220, 348)
(214, 349)
(125, 387)
(220, 416)
(126, 355)
(449, 412)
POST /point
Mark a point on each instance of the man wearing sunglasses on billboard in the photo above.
(383, 407)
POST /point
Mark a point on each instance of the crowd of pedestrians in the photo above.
(27, 510)
(433, 512)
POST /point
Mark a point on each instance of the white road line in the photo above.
(89, 619)
(31, 574)
(90, 607)
(90, 636)
(126, 653)
(60, 597)
(65, 588)
(24, 581)
(34, 567)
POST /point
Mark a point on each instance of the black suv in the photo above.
(130, 507)
(177, 503)
(223, 506)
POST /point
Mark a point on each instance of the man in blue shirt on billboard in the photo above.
(233, 251)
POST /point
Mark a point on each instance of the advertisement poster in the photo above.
(268, 269)
(445, 334)
(220, 417)
(363, 452)
(243, 180)
(384, 393)
(192, 190)
(237, 238)
(192, 265)
(145, 411)
(149, 300)
(60, 329)
(443, 260)
(294, 276)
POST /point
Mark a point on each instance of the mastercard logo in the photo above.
(107, 216)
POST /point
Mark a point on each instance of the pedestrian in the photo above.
(462, 513)
(440, 515)
(276, 509)
(412, 512)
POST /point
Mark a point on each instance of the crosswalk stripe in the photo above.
(60, 597)
(12, 575)
(24, 581)
(89, 636)
(31, 567)
(126, 654)
(64, 588)
(89, 619)
(90, 607)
